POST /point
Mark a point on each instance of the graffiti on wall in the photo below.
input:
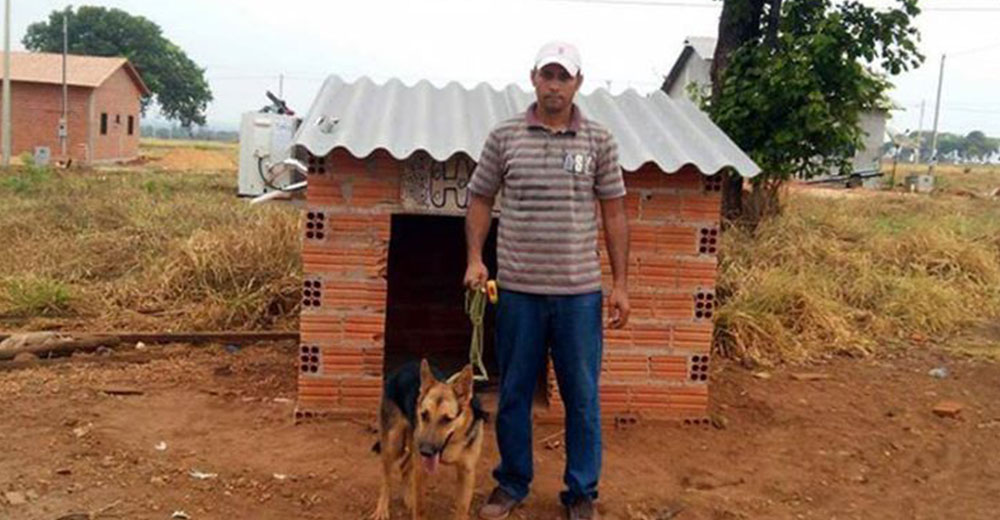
(434, 185)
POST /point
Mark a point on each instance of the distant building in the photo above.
(692, 71)
(693, 66)
(104, 105)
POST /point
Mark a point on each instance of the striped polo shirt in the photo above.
(547, 241)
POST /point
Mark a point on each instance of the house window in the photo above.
(104, 123)
(131, 125)
(118, 119)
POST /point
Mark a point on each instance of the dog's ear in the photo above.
(427, 378)
(463, 384)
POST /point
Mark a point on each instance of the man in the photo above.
(554, 167)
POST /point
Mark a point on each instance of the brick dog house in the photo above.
(384, 248)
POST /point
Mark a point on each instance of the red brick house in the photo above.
(384, 248)
(104, 105)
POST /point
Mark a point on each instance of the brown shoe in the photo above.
(582, 509)
(498, 506)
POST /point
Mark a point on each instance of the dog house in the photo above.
(384, 246)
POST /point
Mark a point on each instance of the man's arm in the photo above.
(478, 218)
(484, 184)
(616, 237)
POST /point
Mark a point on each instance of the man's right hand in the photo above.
(476, 275)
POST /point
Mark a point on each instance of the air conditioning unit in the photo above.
(265, 143)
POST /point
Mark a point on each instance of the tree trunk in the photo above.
(740, 22)
(773, 19)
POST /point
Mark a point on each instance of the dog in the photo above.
(425, 422)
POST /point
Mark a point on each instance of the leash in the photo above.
(475, 308)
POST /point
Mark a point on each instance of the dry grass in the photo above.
(152, 151)
(148, 250)
(856, 274)
(963, 178)
(109, 250)
(152, 143)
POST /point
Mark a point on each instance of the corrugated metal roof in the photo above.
(81, 71)
(364, 116)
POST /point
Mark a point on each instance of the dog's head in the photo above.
(442, 410)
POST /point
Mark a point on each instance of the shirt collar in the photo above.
(575, 119)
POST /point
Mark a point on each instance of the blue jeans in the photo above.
(527, 326)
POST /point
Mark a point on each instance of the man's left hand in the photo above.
(619, 308)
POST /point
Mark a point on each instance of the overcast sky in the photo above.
(246, 44)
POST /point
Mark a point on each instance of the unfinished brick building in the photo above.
(384, 249)
(103, 110)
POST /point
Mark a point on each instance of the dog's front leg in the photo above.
(416, 490)
(466, 485)
(407, 470)
(382, 507)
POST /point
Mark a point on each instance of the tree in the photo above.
(178, 84)
(979, 146)
(791, 78)
(950, 144)
(739, 24)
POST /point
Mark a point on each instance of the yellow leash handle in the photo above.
(492, 291)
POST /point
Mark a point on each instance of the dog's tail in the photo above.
(377, 447)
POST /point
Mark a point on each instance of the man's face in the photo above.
(554, 87)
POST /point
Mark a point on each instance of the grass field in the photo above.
(149, 143)
(976, 179)
(109, 250)
(857, 274)
(154, 249)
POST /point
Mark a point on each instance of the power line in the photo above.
(970, 110)
(975, 50)
(496, 82)
(962, 9)
(718, 5)
(650, 3)
(265, 76)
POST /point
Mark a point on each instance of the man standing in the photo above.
(554, 167)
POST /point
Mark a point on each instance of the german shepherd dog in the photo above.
(424, 422)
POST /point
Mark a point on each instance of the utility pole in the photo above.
(937, 112)
(6, 85)
(920, 132)
(64, 120)
(281, 86)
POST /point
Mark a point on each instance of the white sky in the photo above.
(246, 44)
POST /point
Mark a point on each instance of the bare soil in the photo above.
(860, 443)
(193, 159)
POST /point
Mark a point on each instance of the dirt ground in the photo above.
(193, 159)
(862, 444)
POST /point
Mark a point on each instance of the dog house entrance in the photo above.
(425, 314)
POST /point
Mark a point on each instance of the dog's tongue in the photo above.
(431, 463)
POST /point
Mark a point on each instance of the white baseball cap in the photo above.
(561, 53)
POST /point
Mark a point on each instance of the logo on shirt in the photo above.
(578, 163)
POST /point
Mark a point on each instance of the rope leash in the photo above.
(475, 308)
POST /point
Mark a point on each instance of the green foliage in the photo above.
(977, 145)
(178, 84)
(28, 179)
(794, 105)
(974, 146)
(33, 296)
(158, 188)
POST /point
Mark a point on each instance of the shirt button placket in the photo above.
(548, 156)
